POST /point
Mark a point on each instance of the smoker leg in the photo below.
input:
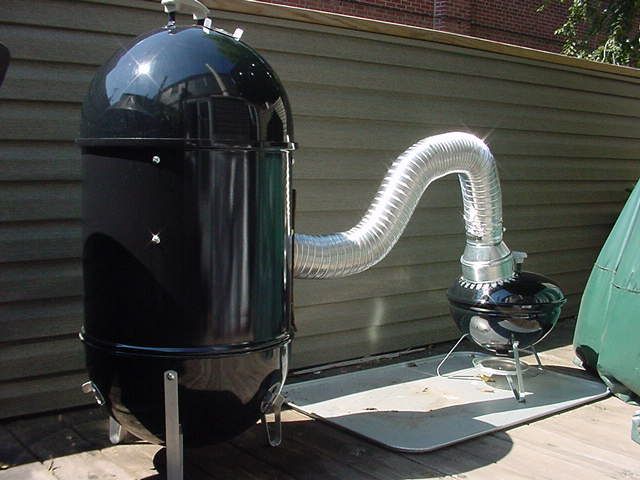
(464, 335)
(90, 387)
(273, 401)
(116, 432)
(173, 429)
(635, 427)
(516, 356)
(274, 437)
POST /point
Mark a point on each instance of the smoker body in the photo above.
(187, 238)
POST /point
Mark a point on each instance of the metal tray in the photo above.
(407, 407)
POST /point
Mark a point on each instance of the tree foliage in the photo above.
(605, 31)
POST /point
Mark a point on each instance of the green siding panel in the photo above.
(564, 138)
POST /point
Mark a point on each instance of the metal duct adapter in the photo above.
(485, 259)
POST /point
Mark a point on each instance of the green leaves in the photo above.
(604, 31)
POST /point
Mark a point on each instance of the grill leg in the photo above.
(516, 357)
(173, 429)
(464, 335)
(535, 354)
(116, 432)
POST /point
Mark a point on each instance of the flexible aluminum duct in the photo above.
(485, 259)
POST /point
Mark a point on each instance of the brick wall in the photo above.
(516, 21)
(509, 21)
(409, 12)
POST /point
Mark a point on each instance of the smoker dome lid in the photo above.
(187, 85)
(524, 289)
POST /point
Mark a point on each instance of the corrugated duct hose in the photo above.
(485, 259)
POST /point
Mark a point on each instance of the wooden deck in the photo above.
(590, 442)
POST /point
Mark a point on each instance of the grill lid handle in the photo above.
(194, 7)
(519, 258)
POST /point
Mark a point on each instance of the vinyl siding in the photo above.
(565, 138)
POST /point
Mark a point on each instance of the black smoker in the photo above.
(186, 153)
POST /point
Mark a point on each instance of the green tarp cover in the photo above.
(607, 336)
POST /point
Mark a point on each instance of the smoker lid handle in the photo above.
(4, 61)
(194, 7)
(519, 258)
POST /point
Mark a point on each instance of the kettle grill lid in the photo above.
(524, 289)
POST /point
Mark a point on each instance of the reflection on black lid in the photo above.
(184, 84)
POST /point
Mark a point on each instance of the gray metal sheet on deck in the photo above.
(407, 407)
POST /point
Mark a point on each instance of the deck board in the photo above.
(368, 459)
(589, 442)
(47, 437)
(299, 458)
(11, 451)
(561, 445)
(344, 448)
(28, 471)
